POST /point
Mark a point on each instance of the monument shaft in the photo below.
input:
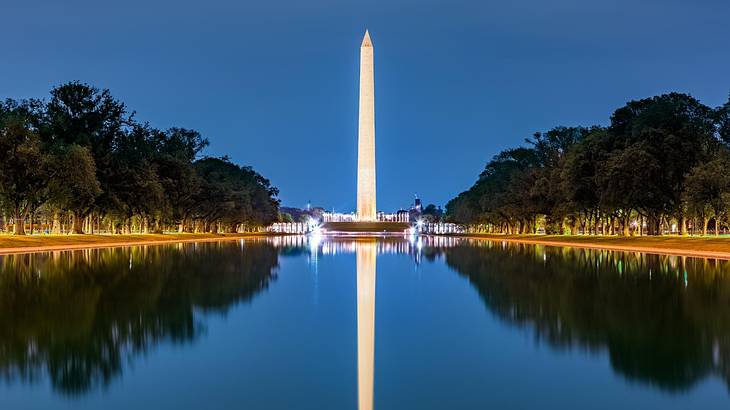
(366, 208)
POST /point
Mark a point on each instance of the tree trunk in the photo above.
(18, 224)
(154, 226)
(593, 225)
(56, 229)
(653, 225)
(705, 222)
(717, 226)
(603, 227)
(77, 224)
(611, 225)
(682, 225)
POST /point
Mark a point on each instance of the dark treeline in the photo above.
(79, 319)
(662, 165)
(81, 163)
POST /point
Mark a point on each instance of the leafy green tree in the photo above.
(722, 117)
(673, 132)
(133, 187)
(432, 214)
(233, 195)
(579, 178)
(546, 194)
(465, 207)
(707, 190)
(24, 170)
(74, 186)
(80, 114)
(632, 179)
(595, 177)
(83, 155)
(177, 148)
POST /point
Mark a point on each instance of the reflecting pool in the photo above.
(397, 323)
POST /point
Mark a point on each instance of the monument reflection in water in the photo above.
(367, 253)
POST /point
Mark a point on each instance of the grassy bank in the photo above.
(39, 243)
(705, 246)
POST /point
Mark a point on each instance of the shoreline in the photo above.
(714, 248)
(80, 242)
(699, 247)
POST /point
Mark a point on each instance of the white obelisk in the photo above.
(366, 209)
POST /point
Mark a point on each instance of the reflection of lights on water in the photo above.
(315, 237)
(716, 352)
(321, 243)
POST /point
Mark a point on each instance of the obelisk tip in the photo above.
(366, 40)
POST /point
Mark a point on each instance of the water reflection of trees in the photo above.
(79, 317)
(664, 320)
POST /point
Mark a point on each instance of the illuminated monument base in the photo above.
(366, 227)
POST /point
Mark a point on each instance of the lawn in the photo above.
(10, 243)
(692, 245)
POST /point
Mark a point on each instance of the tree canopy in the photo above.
(81, 163)
(648, 171)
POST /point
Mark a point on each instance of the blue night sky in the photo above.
(274, 84)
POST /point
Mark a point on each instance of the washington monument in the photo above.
(366, 208)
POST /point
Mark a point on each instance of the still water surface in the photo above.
(300, 323)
